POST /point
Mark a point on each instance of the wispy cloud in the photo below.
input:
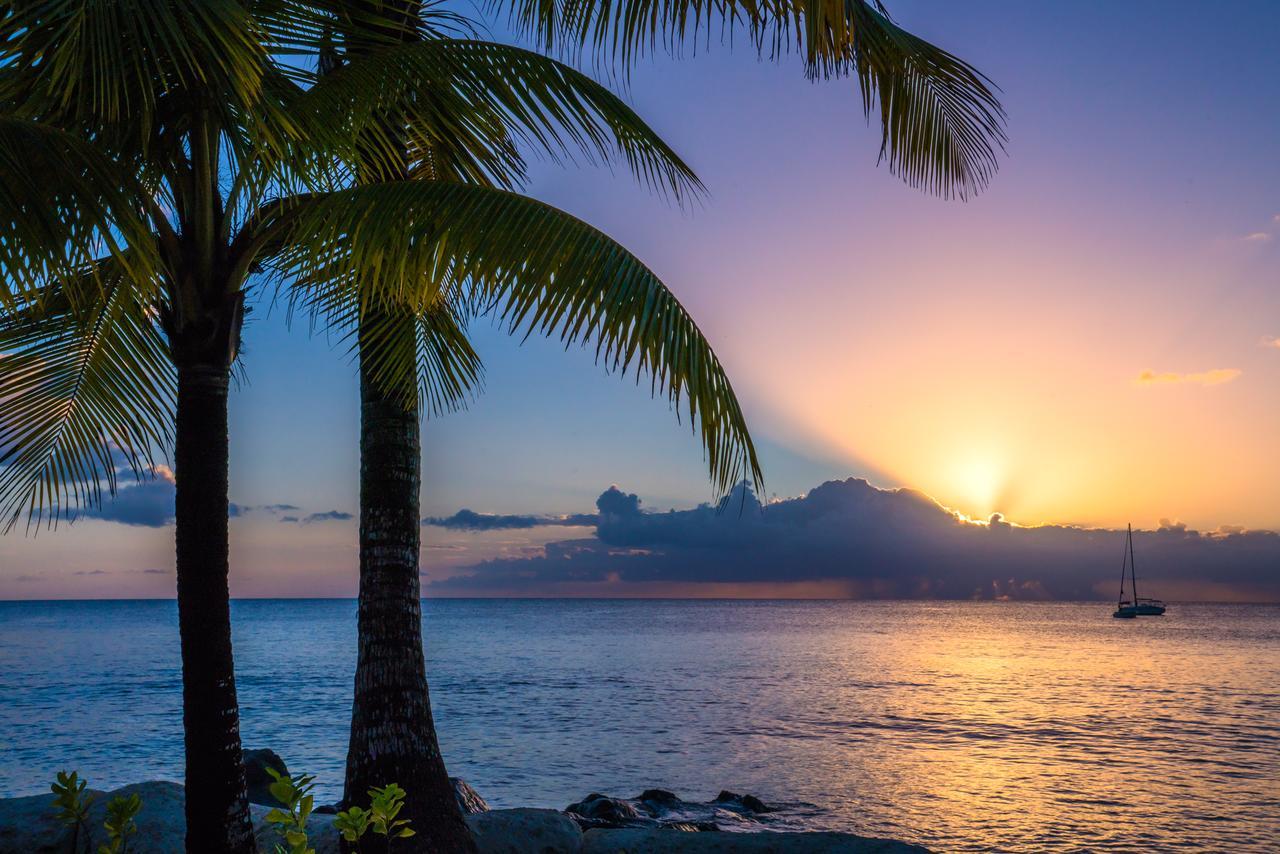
(329, 516)
(1271, 342)
(1257, 237)
(1216, 376)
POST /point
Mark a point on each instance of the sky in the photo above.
(1093, 341)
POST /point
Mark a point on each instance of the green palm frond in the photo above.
(942, 123)
(88, 388)
(90, 63)
(538, 268)
(62, 203)
(420, 354)
(463, 100)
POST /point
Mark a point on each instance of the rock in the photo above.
(649, 841)
(660, 796)
(749, 802)
(525, 831)
(598, 808)
(469, 800)
(256, 763)
(27, 825)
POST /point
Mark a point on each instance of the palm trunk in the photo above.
(217, 806)
(393, 737)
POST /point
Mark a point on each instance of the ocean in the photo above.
(957, 725)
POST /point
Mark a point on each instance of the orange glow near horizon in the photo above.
(1073, 390)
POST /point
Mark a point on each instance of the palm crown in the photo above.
(166, 177)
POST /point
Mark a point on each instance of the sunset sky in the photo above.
(1095, 340)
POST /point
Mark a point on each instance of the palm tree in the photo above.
(941, 127)
(157, 157)
(157, 154)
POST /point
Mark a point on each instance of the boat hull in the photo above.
(1125, 613)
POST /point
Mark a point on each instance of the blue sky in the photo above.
(986, 352)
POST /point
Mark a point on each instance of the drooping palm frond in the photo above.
(62, 204)
(421, 353)
(88, 389)
(538, 268)
(463, 100)
(942, 123)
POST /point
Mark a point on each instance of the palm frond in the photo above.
(421, 355)
(88, 390)
(463, 99)
(942, 123)
(62, 204)
(91, 63)
(538, 268)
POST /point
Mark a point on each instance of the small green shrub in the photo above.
(72, 808)
(291, 822)
(120, 824)
(385, 805)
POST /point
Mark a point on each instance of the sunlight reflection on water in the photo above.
(1019, 727)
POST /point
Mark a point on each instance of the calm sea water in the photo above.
(963, 726)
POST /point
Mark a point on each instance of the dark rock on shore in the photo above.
(746, 802)
(256, 763)
(596, 810)
(659, 808)
(469, 800)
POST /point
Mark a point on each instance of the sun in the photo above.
(976, 481)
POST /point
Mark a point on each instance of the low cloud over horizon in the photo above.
(849, 539)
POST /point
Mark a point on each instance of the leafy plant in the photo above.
(386, 805)
(381, 817)
(353, 824)
(72, 806)
(291, 823)
(120, 824)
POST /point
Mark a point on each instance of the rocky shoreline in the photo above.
(655, 822)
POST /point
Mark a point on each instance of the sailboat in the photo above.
(1134, 607)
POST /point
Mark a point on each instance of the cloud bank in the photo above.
(850, 539)
(469, 520)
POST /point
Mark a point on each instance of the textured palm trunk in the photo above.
(217, 805)
(393, 736)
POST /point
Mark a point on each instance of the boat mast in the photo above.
(1124, 563)
(1133, 569)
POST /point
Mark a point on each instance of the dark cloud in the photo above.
(288, 518)
(612, 502)
(156, 572)
(615, 502)
(91, 572)
(146, 503)
(327, 516)
(849, 538)
(237, 510)
(469, 520)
